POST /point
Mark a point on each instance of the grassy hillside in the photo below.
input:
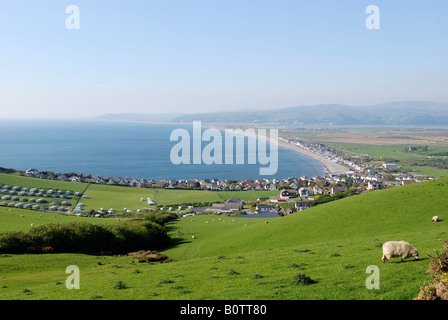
(245, 258)
(14, 180)
(117, 197)
(402, 212)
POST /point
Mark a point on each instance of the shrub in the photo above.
(302, 279)
(437, 288)
(163, 281)
(232, 272)
(298, 266)
(84, 237)
(120, 285)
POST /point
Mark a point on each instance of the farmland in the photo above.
(385, 144)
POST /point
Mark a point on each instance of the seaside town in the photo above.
(347, 175)
(357, 172)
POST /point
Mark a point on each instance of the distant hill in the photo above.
(156, 117)
(392, 113)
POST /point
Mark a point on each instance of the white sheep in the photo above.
(401, 249)
(266, 222)
(193, 237)
(32, 224)
(435, 218)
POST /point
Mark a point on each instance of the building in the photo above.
(287, 194)
(262, 208)
(301, 205)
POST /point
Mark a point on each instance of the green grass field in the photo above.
(245, 258)
(118, 198)
(395, 152)
(14, 180)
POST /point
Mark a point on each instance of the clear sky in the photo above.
(184, 56)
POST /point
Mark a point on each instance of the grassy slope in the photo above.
(402, 212)
(117, 197)
(13, 180)
(350, 228)
(13, 219)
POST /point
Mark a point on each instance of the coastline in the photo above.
(330, 166)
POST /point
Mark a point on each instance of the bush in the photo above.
(302, 279)
(120, 285)
(159, 217)
(437, 288)
(84, 237)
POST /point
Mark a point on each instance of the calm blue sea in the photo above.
(122, 149)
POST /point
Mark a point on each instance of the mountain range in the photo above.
(391, 113)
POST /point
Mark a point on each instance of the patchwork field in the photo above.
(385, 144)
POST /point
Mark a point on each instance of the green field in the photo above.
(14, 180)
(385, 153)
(245, 258)
(118, 198)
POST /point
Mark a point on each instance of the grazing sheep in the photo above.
(193, 237)
(435, 218)
(32, 224)
(266, 222)
(401, 249)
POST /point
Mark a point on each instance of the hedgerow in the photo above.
(84, 237)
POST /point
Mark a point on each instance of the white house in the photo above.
(305, 192)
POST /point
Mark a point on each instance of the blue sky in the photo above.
(213, 55)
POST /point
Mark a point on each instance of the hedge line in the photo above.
(84, 237)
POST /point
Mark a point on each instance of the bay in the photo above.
(123, 149)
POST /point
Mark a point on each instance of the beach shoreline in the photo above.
(330, 166)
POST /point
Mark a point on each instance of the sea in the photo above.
(126, 149)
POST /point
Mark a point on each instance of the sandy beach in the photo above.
(330, 166)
